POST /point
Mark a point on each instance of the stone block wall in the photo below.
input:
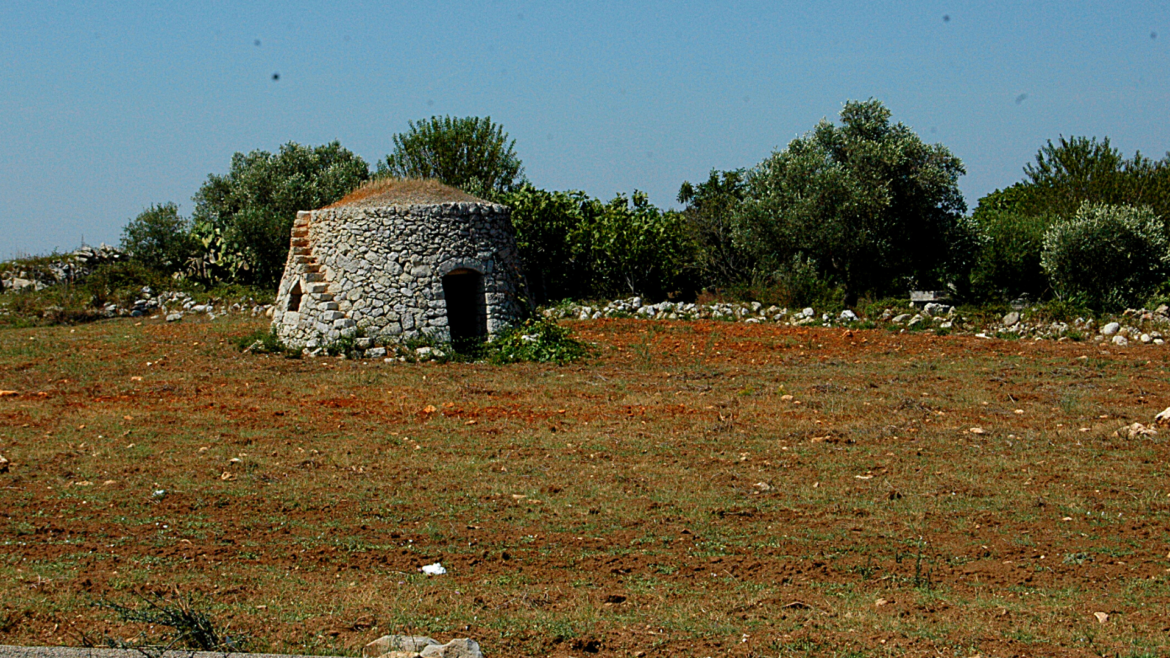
(380, 269)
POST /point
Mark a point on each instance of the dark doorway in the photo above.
(466, 308)
(294, 297)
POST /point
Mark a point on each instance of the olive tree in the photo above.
(471, 153)
(244, 219)
(1107, 256)
(868, 202)
(159, 238)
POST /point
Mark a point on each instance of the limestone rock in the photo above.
(3, 464)
(1011, 319)
(1110, 329)
(1120, 341)
(458, 648)
(1163, 418)
(410, 645)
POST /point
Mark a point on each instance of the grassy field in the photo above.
(695, 489)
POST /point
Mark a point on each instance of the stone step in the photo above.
(300, 242)
(300, 232)
(302, 251)
(314, 277)
(322, 297)
(317, 288)
(311, 268)
(328, 306)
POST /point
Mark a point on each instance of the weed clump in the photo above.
(191, 628)
(538, 340)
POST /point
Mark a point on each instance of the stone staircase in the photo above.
(316, 286)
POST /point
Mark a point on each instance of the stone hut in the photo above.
(400, 260)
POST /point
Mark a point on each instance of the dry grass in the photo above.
(698, 489)
(408, 192)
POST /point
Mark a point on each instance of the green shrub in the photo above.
(159, 238)
(868, 203)
(1107, 256)
(243, 220)
(473, 154)
(539, 340)
(1008, 264)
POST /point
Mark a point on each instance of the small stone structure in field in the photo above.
(399, 260)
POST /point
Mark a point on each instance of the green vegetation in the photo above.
(868, 204)
(539, 341)
(847, 213)
(160, 239)
(1107, 256)
(472, 153)
(243, 219)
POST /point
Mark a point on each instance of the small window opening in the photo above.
(294, 297)
(466, 309)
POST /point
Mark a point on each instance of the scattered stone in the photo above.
(4, 464)
(458, 648)
(435, 569)
(376, 353)
(1146, 339)
(1110, 329)
(408, 644)
(1120, 341)
(1102, 617)
(1163, 418)
(915, 321)
(848, 316)
(1135, 430)
(901, 318)
(1011, 319)
(174, 317)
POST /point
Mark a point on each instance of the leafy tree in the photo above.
(635, 247)
(244, 219)
(471, 153)
(1107, 256)
(709, 214)
(547, 225)
(1076, 170)
(159, 238)
(869, 203)
(1009, 258)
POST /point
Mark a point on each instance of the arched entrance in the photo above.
(466, 307)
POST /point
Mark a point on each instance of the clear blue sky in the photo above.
(106, 108)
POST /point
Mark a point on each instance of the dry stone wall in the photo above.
(383, 270)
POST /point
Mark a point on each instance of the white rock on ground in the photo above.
(1110, 329)
(412, 646)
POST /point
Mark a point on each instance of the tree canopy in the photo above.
(244, 218)
(871, 205)
(471, 153)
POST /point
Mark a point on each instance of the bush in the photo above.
(539, 340)
(546, 225)
(1107, 257)
(872, 206)
(159, 238)
(1009, 259)
(470, 153)
(574, 246)
(243, 220)
(636, 248)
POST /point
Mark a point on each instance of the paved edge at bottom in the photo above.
(8, 651)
